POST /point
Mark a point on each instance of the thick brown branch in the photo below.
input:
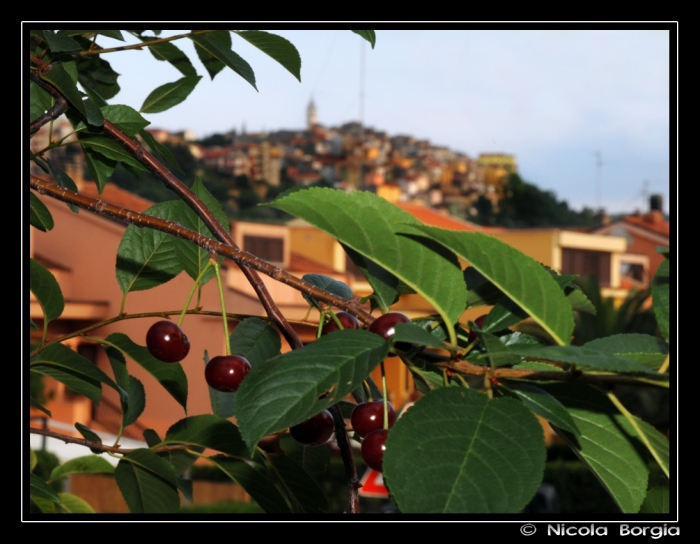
(97, 446)
(239, 256)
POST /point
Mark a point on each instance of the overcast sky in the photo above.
(550, 97)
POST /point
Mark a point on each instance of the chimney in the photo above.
(655, 202)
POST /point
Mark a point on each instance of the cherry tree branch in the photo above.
(60, 106)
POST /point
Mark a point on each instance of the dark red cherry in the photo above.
(226, 372)
(385, 325)
(373, 448)
(314, 431)
(369, 416)
(166, 342)
(479, 321)
(348, 321)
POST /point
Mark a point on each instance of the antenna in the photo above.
(598, 168)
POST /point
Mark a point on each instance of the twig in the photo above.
(60, 106)
(97, 446)
(341, 437)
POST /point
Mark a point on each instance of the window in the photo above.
(584, 262)
(268, 249)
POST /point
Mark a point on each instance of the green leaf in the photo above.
(88, 434)
(277, 47)
(480, 291)
(115, 34)
(503, 315)
(64, 83)
(171, 53)
(94, 115)
(148, 483)
(497, 352)
(46, 290)
(208, 431)
(193, 257)
(63, 180)
(212, 64)
(299, 485)
(414, 334)
(545, 406)
(457, 451)
(169, 375)
(88, 464)
(657, 500)
(32, 460)
(99, 167)
(295, 386)
(584, 358)
(135, 404)
(111, 150)
(368, 35)
(648, 350)
(39, 101)
(223, 53)
(658, 445)
(329, 284)
(74, 505)
(45, 506)
(257, 484)
(60, 42)
(383, 282)
(170, 94)
(312, 459)
(98, 79)
(180, 459)
(39, 214)
(257, 342)
(580, 302)
(60, 356)
(368, 224)
(660, 293)
(40, 489)
(526, 282)
(147, 258)
(125, 118)
(607, 445)
(159, 149)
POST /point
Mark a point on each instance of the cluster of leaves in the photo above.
(459, 449)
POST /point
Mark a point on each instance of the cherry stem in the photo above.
(319, 329)
(223, 307)
(335, 318)
(197, 283)
(386, 407)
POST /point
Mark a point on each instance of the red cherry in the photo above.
(226, 372)
(314, 431)
(369, 416)
(166, 342)
(385, 325)
(479, 321)
(373, 448)
(348, 321)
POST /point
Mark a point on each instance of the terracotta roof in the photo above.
(299, 263)
(112, 194)
(436, 219)
(653, 221)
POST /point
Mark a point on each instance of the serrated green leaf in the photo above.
(170, 375)
(87, 433)
(584, 358)
(46, 290)
(503, 315)
(545, 406)
(180, 459)
(115, 34)
(211, 63)
(159, 149)
(295, 386)
(313, 460)
(383, 282)
(657, 500)
(580, 302)
(457, 451)
(223, 53)
(148, 483)
(480, 291)
(648, 350)
(277, 47)
(658, 445)
(99, 167)
(526, 282)
(39, 214)
(88, 464)
(171, 53)
(61, 80)
(414, 334)
(497, 353)
(136, 402)
(660, 293)
(299, 485)
(125, 118)
(60, 42)
(170, 94)
(186, 487)
(368, 35)
(64, 358)
(368, 224)
(193, 257)
(147, 258)
(73, 504)
(327, 284)
(63, 180)
(98, 79)
(40, 489)
(39, 101)
(208, 431)
(607, 445)
(94, 115)
(258, 485)
(111, 150)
